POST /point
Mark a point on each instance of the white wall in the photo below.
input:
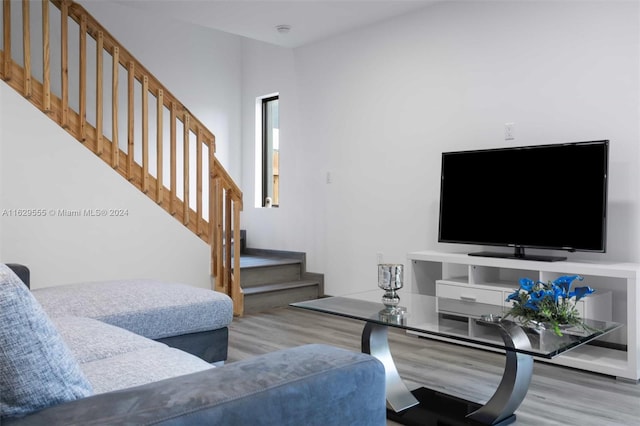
(44, 168)
(377, 107)
(296, 224)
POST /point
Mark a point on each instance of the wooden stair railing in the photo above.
(226, 204)
(148, 136)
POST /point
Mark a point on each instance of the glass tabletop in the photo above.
(461, 320)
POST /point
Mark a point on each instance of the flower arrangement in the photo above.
(553, 303)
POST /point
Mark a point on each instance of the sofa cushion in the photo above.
(141, 367)
(37, 369)
(151, 308)
(113, 358)
(92, 340)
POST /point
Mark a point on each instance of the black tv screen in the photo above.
(544, 196)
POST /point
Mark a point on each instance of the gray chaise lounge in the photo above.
(192, 319)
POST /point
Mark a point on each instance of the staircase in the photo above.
(273, 278)
(148, 121)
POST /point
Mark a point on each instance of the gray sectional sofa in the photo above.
(99, 353)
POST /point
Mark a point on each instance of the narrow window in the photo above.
(270, 152)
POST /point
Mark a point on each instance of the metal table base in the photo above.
(423, 406)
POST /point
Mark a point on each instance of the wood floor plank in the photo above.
(558, 396)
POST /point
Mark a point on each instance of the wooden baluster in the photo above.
(26, 47)
(159, 146)
(130, 128)
(173, 166)
(99, 93)
(238, 295)
(228, 232)
(46, 61)
(212, 216)
(185, 157)
(6, 22)
(213, 210)
(219, 246)
(82, 133)
(115, 148)
(212, 150)
(203, 222)
(145, 134)
(199, 182)
(64, 60)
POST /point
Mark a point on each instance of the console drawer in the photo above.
(469, 293)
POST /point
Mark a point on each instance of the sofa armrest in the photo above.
(311, 384)
(22, 272)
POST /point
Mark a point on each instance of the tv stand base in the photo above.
(519, 255)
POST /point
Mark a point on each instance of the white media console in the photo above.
(490, 280)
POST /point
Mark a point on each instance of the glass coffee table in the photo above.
(457, 321)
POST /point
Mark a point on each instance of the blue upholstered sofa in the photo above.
(62, 368)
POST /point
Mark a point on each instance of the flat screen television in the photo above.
(544, 196)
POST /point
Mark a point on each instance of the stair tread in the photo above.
(249, 261)
(278, 286)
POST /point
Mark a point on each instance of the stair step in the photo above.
(248, 261)
(261, 271)
(259, 289)
(276, 278)
(269, 296)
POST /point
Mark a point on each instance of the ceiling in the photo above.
(310, 20)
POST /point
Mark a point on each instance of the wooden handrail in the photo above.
(225, 198)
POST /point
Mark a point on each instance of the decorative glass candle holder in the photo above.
(390, 279)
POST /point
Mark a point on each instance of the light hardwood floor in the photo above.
(558, 396)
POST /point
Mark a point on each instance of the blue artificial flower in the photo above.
(536, 296)
(549, 302)
(565, 282)
(581, 292)
(558, 292)
(526, 284)
(514, 296)
(531, 305)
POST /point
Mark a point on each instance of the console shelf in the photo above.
(490, 280)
